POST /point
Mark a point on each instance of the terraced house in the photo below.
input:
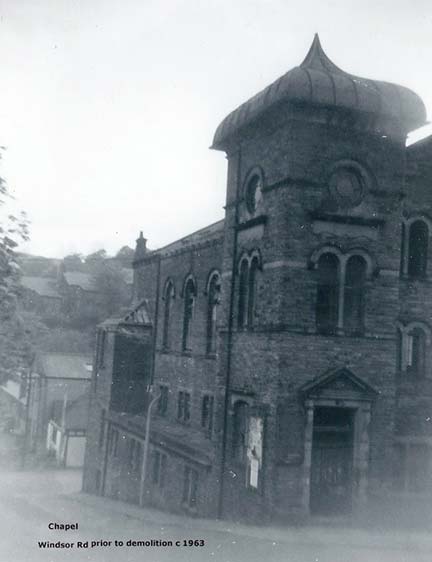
(290, 343)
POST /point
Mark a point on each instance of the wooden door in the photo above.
(331, 471)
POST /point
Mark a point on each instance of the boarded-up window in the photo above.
(416, 347)
(240, 430)
(255, 451)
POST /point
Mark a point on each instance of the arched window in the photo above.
(252, 289)
(168, 297)
(240, 430)
(214, 288)
(189, 302)
(243, 293)
(355, 277)
(327, 294)
(416, 352)
(417, 248)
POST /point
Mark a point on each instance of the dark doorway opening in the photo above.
(332, 461)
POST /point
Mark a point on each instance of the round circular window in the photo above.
(253, 193)
(347, 186)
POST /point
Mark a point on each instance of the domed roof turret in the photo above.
(318, 81)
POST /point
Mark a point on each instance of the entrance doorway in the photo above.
(332, 461)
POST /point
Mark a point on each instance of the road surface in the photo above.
(31, 500)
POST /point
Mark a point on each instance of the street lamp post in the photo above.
(146, 447)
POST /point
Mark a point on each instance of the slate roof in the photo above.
(212, 231)
(63, 365)
(43, 286)
(77, 412)
(318, 81)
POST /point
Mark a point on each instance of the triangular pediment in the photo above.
(139, 315)
(339, 382)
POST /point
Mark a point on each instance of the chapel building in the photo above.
(290, 343)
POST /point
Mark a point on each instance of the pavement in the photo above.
(31, 500)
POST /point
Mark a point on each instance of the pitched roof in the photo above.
(63, 365)
(318, 81)
(43, 286)
(77, 412)
(212, 231)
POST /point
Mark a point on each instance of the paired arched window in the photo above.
(340, 299)
(415, 242)
(247, 289)
(327, 294)
(240, 430)
(213, 292)
(189, 295)
(169, 295)
(412, 343)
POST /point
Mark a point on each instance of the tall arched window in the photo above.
(240, 430)
(252, 286)
(168, 297)
(327, 294)
(416, 352)
(214, 288)
(355, 277)
(189, 301)
(243, 293)
(417, 248)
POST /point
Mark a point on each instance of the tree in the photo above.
(73, 262)
(111, 285)
(125, 256)
(15, 346)
(96, 258)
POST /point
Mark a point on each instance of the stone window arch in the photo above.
(413, 348)
(249, 267)
(213, 291)
(189, 296)
(252, 190)
(341, 289)
(168, 298)
(415, 245)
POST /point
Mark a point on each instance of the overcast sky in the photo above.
(108, 107)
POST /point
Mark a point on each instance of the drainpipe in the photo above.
(156, 319)
(229, 341)
(146, 448)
